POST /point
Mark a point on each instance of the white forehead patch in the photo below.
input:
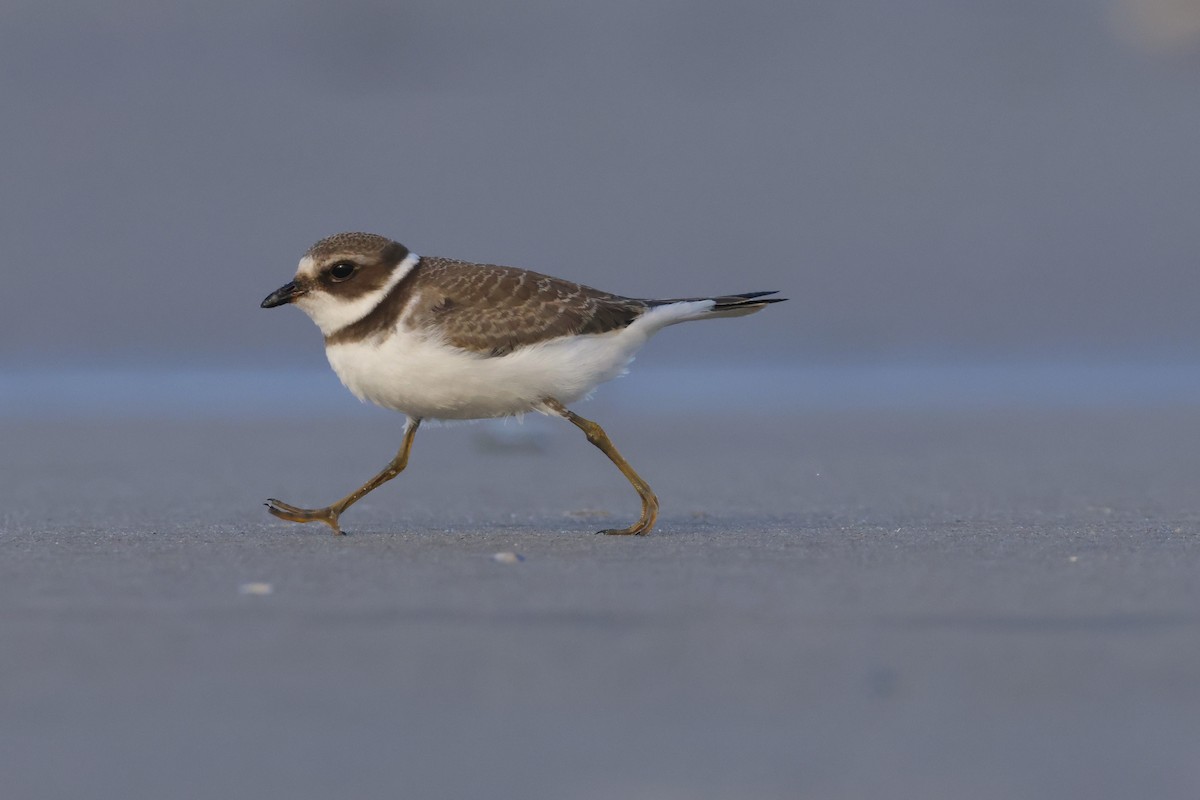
(307, 268)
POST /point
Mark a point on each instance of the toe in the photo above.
(289, 512)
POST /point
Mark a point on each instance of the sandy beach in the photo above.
(909, 603)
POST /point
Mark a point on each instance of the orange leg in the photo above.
(329, 515)
(597, 436)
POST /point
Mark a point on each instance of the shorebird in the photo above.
(436, 338)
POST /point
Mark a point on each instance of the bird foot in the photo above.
(640, 528)
(292, 514)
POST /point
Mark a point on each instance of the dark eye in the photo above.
(342, 270)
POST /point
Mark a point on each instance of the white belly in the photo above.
(424, 378)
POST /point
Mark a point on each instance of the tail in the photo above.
(731, 305)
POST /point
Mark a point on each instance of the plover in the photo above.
(436, 338)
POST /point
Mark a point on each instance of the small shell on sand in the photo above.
(507, 558)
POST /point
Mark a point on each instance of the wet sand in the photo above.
(913, 604)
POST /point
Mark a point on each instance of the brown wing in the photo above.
(494, 310)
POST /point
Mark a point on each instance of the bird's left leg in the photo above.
(329, 515)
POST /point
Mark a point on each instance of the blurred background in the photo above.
(929, 181)
(929, 530)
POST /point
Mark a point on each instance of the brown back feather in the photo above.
(493, 310)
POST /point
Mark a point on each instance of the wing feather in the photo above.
(493, 310)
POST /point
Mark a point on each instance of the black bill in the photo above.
(283, 295)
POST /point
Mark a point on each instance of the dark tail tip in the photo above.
(752, 295)
(746, 299)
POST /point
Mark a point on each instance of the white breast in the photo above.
(424, 378)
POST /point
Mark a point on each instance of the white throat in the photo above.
(331, 314)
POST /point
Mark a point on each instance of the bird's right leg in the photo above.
(596, 435)
(329, 515)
